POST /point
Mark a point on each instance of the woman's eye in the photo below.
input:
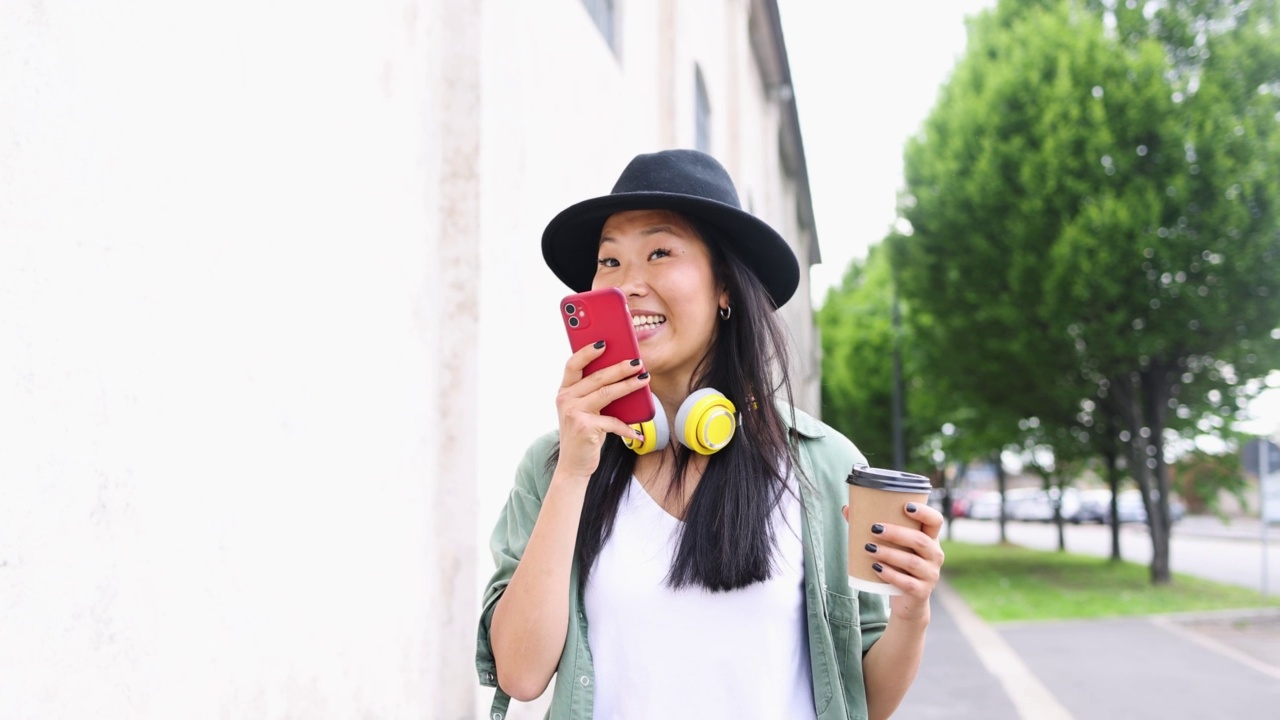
(659, 253)
(607, 262)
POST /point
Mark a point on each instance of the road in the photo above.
(1197, 547)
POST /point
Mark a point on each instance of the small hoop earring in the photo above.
(725, 312)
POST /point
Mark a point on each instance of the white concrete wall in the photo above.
(275, 328)
(221, 293)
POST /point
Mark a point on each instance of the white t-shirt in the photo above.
(664, 653)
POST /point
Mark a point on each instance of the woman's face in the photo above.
(664, 268)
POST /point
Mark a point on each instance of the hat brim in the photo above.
(571, 239)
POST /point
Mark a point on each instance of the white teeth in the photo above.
(647, 321)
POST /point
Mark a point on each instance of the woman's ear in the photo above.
(723, 300)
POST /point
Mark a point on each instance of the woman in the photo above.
(673, 583)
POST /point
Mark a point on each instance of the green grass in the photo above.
(1006, 583)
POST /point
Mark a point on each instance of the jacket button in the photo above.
(584, 680)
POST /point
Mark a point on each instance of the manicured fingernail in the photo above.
(911, 507)
(877, 567)
(639, 436)
(643, 376)
(636, 362)
(877, 528)
(598, 345)
(871, 547)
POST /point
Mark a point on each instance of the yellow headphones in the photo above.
(706, 422)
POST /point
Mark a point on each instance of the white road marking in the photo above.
(1030, 697)
(1219, 647)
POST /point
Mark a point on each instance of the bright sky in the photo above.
(865, 77)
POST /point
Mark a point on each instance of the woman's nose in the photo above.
(633, 282)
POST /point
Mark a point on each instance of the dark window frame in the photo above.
(701, 112)
(604, 13)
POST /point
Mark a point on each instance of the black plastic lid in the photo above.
(892, 480)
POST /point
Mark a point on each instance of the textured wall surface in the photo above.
(221, 386)
(275, 327)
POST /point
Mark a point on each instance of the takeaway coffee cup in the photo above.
(878, 496)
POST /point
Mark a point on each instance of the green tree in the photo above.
(1201, 477)
(1093, 205)
(858, 344)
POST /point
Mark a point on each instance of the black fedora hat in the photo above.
(688, 182)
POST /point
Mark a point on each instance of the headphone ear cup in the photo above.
(650, 441)
(706, 421)
(657, 434)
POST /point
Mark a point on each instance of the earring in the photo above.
(725, 312)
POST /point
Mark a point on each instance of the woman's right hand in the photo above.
(579, 402)
(531, 620)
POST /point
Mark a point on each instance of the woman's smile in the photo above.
(646, 324)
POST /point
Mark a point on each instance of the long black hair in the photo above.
(727, 538)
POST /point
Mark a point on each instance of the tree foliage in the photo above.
(858, 342)
(1202, 477)
(1095, 214)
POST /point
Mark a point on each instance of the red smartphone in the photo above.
(596, 315)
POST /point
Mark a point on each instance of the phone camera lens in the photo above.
(570, 309)
(573, 321)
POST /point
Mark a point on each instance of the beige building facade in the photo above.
(275, 327)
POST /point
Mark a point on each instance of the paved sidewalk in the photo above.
(1215, 665)
(953, 682)
(1240, 528)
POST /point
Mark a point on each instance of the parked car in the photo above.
(959, 501)
(1129, 508)
(983, 506)
(1093, 506)
(1028, 504)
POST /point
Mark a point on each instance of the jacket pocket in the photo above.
(846, 635)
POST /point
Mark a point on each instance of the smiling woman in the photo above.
(660, 262)
(630, 560)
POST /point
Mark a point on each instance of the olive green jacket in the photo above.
(842, 624)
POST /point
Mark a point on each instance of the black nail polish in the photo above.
(877, 528)
(911, 507)
(598, 345)
(871, 547)
(643, 376)
(877, 567)
(636, 362)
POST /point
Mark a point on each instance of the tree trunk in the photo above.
(1049, 484)
(956, 483)
(1113, 481)
(1000, 484)
(948, 512)
(1143, 395)
(1155, 392)
(1057, 519)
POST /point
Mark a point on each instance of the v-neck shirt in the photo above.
(690, 652)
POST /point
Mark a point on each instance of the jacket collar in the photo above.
(802, 422)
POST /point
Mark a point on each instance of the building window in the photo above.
(702, 113)
(604, 13)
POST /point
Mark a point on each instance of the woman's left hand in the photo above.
(916, 567)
